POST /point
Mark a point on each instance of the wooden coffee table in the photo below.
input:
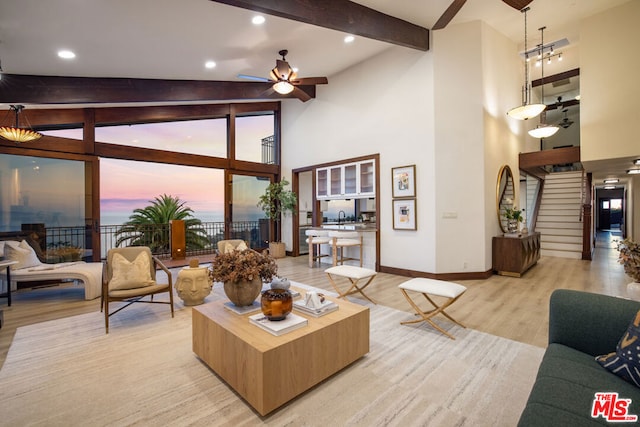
(267, 370)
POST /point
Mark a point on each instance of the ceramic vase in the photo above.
(243, 293)
(512, 225)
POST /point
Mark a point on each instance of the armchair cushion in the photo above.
(130, 274)
(625, 361)
(21, 252)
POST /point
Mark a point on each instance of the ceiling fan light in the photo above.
(526, 111)
(543, 131)
(283, 87)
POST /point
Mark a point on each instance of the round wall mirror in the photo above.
(505, 193)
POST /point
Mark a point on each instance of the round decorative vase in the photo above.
(243, 293)
(633, 291)
(512, 225)
(276, 304)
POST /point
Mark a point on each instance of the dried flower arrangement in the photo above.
(630, 258)
(238, 266)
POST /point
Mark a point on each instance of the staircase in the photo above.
(559, 217)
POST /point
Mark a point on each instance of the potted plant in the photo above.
(514, 217)
(275, 201)
(242, 273)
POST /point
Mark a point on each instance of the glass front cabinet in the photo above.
(351, 180)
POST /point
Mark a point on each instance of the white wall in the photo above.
(440, 110)
(609, 65)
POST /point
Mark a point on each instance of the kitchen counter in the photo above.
(369, 236)
(357, 226)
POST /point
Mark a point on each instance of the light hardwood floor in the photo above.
(514, 308)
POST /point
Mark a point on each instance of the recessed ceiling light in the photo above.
(633, 171)
(258, 20)
(609, 187)
(636, 162)
(210, 64)
(66, 54)
(611, 181)
(349, 39)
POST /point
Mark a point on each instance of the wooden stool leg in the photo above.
(445, 305)
(425, 316)
(360, 289)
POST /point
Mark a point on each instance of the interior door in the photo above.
(243, 218)
(604, 214)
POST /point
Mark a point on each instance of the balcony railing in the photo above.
(73, 243)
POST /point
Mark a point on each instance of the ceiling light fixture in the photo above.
(16, 133)
(611, 181)
(258, 20)
(349, 39)
(543, 130)
(636, 162)
(526, 110)
(66, 54)
(210, 64)
(283, 87)
(633, 171)
(609, 187)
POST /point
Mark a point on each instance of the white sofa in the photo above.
(33, 269)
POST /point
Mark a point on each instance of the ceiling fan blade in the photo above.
(448, 14)
(300, 94)
(310, 81)
(518, 4)
(258, 79)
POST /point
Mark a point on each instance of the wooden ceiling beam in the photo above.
(343, 15)
(28, 89)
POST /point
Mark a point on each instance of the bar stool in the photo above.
(315, 239)
(344, 239)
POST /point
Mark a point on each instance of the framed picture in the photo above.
(404, 181)
(404, 214)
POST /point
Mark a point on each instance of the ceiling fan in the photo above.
(566, 122)
(285, 80)
(455, 7)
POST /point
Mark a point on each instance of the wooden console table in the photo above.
(513, 256)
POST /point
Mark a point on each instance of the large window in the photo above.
(204, 137)
(255, 139)
(126, 185)
(48, 198)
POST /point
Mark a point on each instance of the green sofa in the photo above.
(581, 326)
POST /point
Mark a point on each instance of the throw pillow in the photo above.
(23, 253)
(130, 274)
(242, 246)
(625, 361)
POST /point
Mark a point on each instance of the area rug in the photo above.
(67, 372)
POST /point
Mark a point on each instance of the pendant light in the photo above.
(17, 133)
(527, 110)
(543, 130)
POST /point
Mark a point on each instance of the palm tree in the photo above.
(143, 227)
